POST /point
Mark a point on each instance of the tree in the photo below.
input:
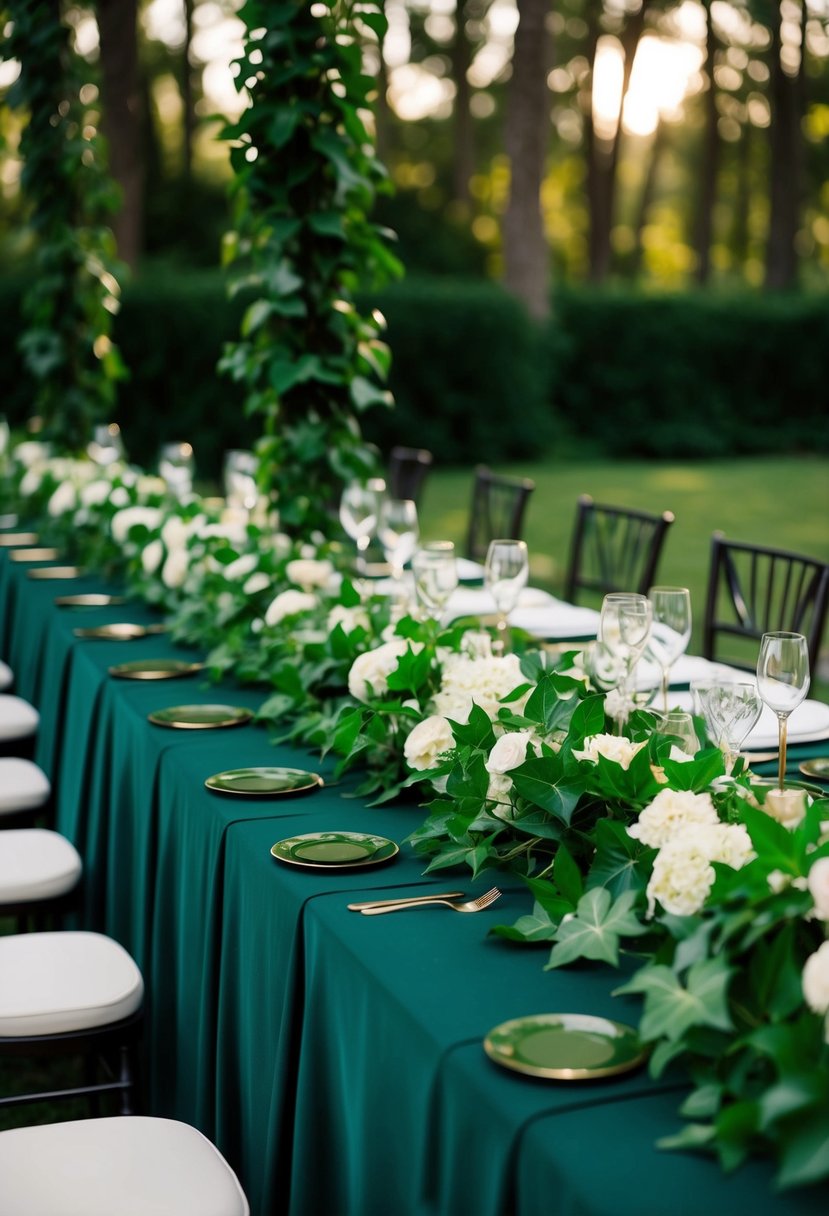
(786, 156)
(710, 157)
(123, 110)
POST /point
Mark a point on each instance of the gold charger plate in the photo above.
(565, 1046)
(92, 599)
(119, 631)
(48, 572)
(155, 669)
(12, 539)
(334, 850)
(35, 555)
(817, 768)
(200, 717)
(264, 782)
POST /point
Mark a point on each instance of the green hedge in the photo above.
(615, 373)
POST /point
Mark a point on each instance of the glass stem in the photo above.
(781, 764)
(666, 671)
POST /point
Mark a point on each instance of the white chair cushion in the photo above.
(23, 786)
(6, 676)
(36, 864)
(18, 719)
(127, 1166)
(56, 982)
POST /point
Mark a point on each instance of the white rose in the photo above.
(427, 741)
(119, 497)
(289, 603)
(257, 582)
(617, 748)
(669, 813)
(236, 570)
(370, 672)
(151, 556)
(499, 790)
(132, 517)
(95, 493)
(149, 486)
(509, 751)
(786, 806)
(30, 481)
(175, 568)
(64, 499)
(349, 618)
(818, 882)
(816, 979)
(175, 532)
(308, 573)
(30, 452)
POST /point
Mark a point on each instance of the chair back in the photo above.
(407, 471)
(754, 590)
(613, 549)
(498, 506)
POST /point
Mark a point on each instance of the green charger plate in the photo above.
(264, 782)
(12, 539)
(49, 572)
(91, 599)
(334, 850)
(565, 1046)
(155, 669)
(200, 717)
(817, 768)
(35, 555)
(119, 631)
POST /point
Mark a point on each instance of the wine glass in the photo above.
(239, 475)
(730, 710)
(506, 570)
(678, 725)
(783, 680)
(398, 532)
(670, 631)
(624, 628)
(106, 447)
(175, 465)
(359, 509)
(435, 576)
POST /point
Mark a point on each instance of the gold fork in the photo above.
(469, 905)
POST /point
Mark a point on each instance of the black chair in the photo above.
(614, 549)
(408, 468)
(754, 590)
(498, 506)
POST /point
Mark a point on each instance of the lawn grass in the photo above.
(782, 502)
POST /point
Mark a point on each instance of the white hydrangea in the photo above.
(370, 671)
(289, 603)
(671, 812)
(617, 748)
(31, 452)
(682, 872)
(257, 582)
(95, 493)
(175, 568)
(64, 499)
(151, 556)
(818, 883)
(816, 979)
(349, 618)
(309, 574)
(484, 682)
(132, 517)
(427, 741)
(239, 569)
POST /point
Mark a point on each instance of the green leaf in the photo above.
(672, 1008)
(703, 1103)
(567, 876)
(804, 1156)
(539, 780)
(595, 929)
(693, 1136)
(538, 927)
(621, 863)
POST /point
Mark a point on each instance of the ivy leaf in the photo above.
(621, 863)
(594, 931)
(567, 876)
(537, 927)
(539, 780)
(805, 1150)
(672, 1008)
(476, 732)
(693, 1136)
(588, 718)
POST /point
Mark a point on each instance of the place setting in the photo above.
(13, 540)
(119, 631)
(155, 669)
(565, 1047)
(38, 554)
(90, 599)
(200, 717)
(264, 782)
(334, 850)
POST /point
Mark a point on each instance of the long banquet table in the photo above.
(335, 1059)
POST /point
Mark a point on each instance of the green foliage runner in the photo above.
(305, 180)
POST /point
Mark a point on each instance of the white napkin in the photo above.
(477, 601)
(556, 620)
(688, 667)
(469, 571)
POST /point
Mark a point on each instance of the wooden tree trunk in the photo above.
(122, 119)
(526, 255)
(742, 199)
(785, 168)
(187, 99)
(710, 161)
(658, 147)
(463, 160)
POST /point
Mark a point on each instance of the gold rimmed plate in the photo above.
(565, 1046)
(200, 717)
(92, 599)
(119, 631)
(155, 669)
(334, 850)
(50, 572)
(817, 768)
(35, 555)
(264, 782)
(11, 540)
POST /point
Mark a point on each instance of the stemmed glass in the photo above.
(730, 710)
(506, 570)
(783, 681)
(624, 629)
(239, 475)
(106, 447)
(678, 725)
(175, 465)
(359, 511)
(670, 631)
(435, 576)
(398, 533)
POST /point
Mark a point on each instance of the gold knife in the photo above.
(411, 899)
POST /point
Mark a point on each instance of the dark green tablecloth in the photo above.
(336, 1059)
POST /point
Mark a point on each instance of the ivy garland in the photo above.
(305, 180)
(73, 294)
